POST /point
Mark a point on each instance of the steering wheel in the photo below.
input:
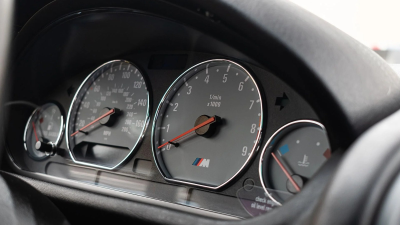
(357, 193)
(20, 203)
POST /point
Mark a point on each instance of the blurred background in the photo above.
(375, 23)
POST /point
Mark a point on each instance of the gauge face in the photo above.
(208, 124)
(292, 156)
(108, 115)
(46, 125)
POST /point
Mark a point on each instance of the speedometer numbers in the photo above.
(208, 124)
(108, 116)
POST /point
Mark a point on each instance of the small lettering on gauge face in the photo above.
(215, 101)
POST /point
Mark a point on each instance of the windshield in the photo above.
(374, 23)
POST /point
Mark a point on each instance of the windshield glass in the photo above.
(374, 23)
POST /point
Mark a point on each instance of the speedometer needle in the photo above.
(286, 172)
(212, 119)
(94, 121)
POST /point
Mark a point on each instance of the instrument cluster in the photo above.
(203, 130)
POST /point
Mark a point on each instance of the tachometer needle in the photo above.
(94, 121)
(34, 131)
(286, 172)
(212, 119)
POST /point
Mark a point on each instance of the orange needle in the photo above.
(212, 119)
(34, 131)
(286, 172)
(94, 121)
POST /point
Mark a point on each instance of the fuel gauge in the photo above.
(291, 157)
(44, 131)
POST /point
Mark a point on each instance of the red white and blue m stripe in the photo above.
(197, 161)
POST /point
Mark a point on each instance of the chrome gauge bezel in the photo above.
(268, 148)
(157, 115)
(61, 131)
(142, 134)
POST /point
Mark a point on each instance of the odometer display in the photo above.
(208, 124)
(108, 115)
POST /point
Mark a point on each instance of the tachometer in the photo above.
(108, 116)
(208, 124)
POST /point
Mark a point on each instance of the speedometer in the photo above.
(108, 116)
(208, 124)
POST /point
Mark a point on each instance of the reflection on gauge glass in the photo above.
(292, 156)
(108, 116)
(208, 124)
(45, 125)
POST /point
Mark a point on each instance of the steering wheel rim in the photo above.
(370, 166)
(6, 21)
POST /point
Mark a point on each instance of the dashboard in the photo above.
(138, 103)
(184, 127)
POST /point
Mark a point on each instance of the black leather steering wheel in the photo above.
(357, 191)
(20, 203)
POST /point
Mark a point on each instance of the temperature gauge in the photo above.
(44, 131)
(291, 157)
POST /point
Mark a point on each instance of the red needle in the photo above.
(286, 172)
(34, 131)
(94, 121)
(212, 119)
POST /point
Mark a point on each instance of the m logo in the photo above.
(201, 162)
